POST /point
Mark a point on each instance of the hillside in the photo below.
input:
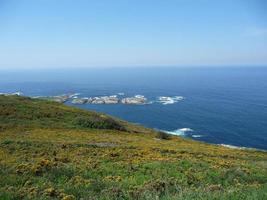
(52, 151)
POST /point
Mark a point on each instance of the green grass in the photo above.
(24, 112)
(52, 151)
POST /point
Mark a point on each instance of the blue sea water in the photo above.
(222, 105)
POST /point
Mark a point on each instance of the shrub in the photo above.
(162, 135)
(98, 123)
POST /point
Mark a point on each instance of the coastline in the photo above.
(182, 132)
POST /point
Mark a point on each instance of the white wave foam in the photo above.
(232, 146)
(180, 132)
(139, 96)
(175, 132)
(196, 136)
(186, 129)
(17, 93)
(169, 100)
(75, 95)
(238, 147)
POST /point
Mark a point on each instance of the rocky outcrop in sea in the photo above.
(112, 99)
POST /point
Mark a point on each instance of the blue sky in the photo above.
(84, 33)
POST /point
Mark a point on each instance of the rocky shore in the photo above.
(112, 99)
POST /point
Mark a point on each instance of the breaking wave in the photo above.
(232, 146)
(238, 147)
(196, 136)
(180, 132)
(169, 100)
(185, 132)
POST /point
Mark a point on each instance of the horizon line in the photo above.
(134, 66)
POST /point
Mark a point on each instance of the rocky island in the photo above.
(79, 100)
(113, 99)
(137, 99)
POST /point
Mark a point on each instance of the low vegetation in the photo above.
(25, 113)
(163, 135)
(52, 151)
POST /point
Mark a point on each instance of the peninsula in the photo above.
(52, 151)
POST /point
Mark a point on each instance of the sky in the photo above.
(104, 33)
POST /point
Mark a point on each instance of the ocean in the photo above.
(220, 105)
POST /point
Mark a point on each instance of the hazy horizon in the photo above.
(20, 69)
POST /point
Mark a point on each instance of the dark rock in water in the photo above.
(97, 100)
(110, 99)
(138, 100)
(79, 101)
(113, 99)
(105, 100)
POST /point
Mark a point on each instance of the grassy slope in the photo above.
(51, 151)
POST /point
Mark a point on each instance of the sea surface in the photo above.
(221, 105)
